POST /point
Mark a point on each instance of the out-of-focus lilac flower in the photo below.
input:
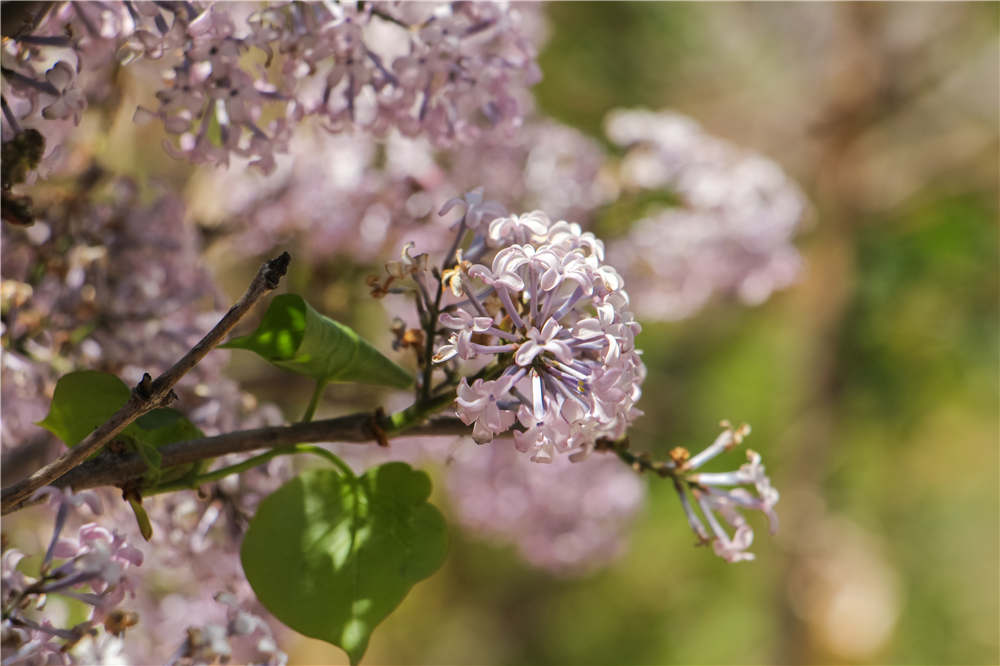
(98, 559)
(67, 497)
(65, 500)
(349, 195)
(731, 231)
(22, 387)
(104, 649)
(67, 57)
(569, 518)
(211, 642)
(545, 166)
(724, 495)
(113, 284)
(447, 70)
(478, 211)
(556, 317)
(30, 644)
(13, 580)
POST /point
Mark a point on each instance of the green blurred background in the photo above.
(872, 385)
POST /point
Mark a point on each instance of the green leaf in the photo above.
(331, 556)
(152, 458)
(293, 336)
(86, 399)
(163, 426)
(81, 402)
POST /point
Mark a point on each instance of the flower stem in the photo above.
(248, 464)
(314, 400)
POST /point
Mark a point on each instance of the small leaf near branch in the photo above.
(331, 556)
(81, 402)
(293, 336)
(84, 400)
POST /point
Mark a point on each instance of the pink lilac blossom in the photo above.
(557, 320)
(730, 233)
(725, 494)
(568, 518)
(329, 198)
(448, 71)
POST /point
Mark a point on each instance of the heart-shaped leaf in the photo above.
(331, 556)
(293, 336)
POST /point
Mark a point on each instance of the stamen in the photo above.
(569, 304)
(493, 349)
(572, 372)
(508, 305)
(722, 443)
(537, 395)
(480, 308)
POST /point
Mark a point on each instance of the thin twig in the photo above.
(149, 394)
(640, 462)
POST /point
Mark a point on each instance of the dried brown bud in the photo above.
(119, 620)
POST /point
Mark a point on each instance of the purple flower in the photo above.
(477, 210)
(556, 318)
(725, 495)
(70, 101)
(479, 404)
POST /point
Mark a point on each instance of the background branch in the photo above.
(149, 394)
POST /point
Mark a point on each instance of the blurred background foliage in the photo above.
(872, 385)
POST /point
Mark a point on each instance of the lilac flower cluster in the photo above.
(97, 559)
(723, 494)
(731, 232)
(449, 71)
(555, 319)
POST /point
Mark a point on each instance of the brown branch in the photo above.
(115, 469)
(148, 394)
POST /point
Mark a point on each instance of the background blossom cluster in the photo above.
(447, 71)
(731, 231)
